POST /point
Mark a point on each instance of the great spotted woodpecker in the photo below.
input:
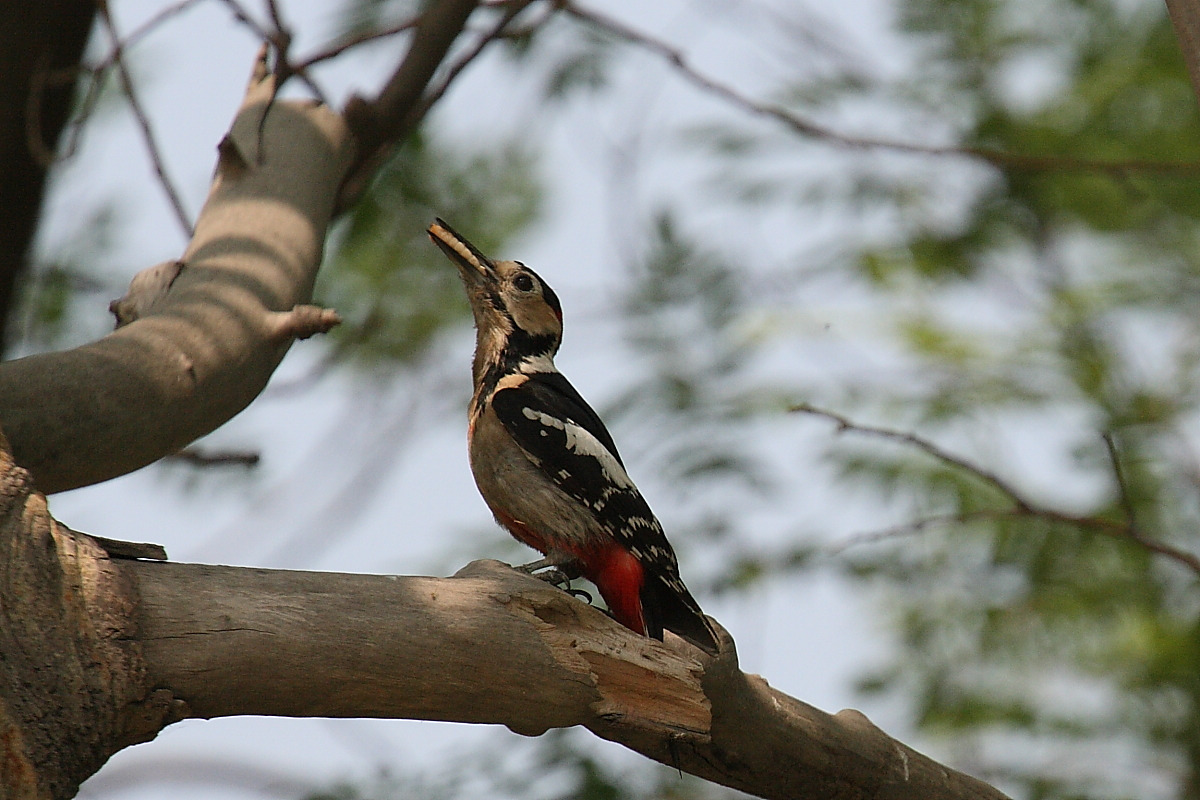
(546, 465)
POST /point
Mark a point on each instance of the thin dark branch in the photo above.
(925, 446)
(243, 16)
(276, 18)
(141, 31)
(143, 121)
(805, 127)
(354, 40)
(380, 123)
(511, 10)
(279, 40)
(920, 525)
(1133, 529)
(1023, 508)
(1185, 18)
(216, 458)
(908, 529)
(1123, 492)
(99, 71)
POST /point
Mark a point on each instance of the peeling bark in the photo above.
(494, 645)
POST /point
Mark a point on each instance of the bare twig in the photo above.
(925, 446)
(141, 31)
(379, 123)
(1133, 530)
(1185, 18)
(279, 39)
(1103, 526)
(98, 74)
(143, 122)
(216, 458)
(1022, 506)
(910, 528)
(1123, 492)
(511, 10)
(805, 127)
(354, 40)
(1097, 524)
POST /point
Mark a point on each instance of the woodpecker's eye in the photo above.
(523, 282)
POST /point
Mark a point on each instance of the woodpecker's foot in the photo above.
(553, 570)
(558, 573)
(555, 577)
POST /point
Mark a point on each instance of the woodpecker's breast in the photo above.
(523, 499)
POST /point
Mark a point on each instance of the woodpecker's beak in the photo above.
(476, 268)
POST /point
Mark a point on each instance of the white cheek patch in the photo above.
(583, 443)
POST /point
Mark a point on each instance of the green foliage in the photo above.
(1042, 294)
(584, 66)
(690, 396)
(392, 287)
(567, 59)
(1024, 288)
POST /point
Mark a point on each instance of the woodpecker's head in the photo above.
(517, 315)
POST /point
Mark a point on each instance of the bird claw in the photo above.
(557, 574)
(580, 593)
(555, 577)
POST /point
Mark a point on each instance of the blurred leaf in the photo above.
(394, 289)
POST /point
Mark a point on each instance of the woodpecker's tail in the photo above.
(663, 607)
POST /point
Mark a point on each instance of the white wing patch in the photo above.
(583, 443)
(533, 364)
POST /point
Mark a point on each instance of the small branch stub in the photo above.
(147, 289)
(302, 322)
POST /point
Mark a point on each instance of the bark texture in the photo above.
(206, 340)
(72, 682)
(493, 645)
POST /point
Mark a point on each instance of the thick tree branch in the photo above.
(72, 681)
(205, 336)
(110, 650)
(493, 645)
(208, 330)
